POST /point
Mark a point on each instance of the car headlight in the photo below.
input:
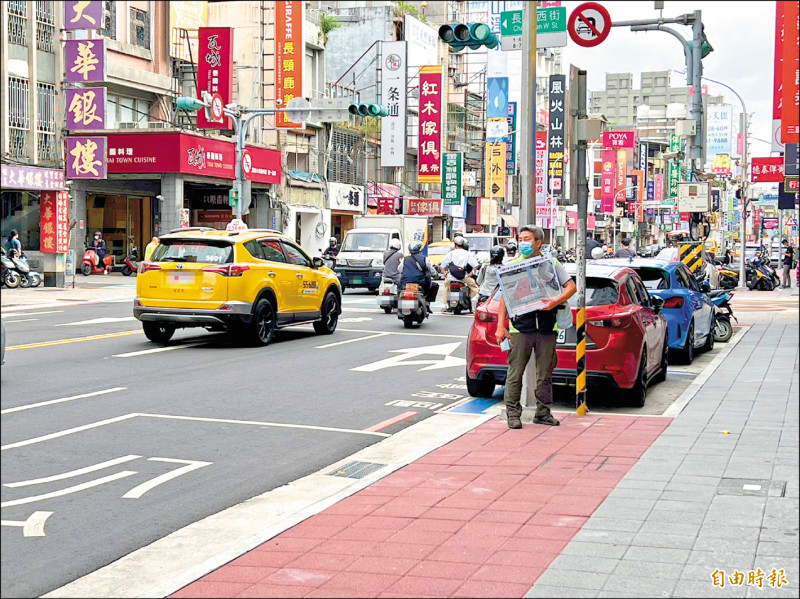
(377, 262)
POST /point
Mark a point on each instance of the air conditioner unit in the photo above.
(128, 125)
(157, 125)
(460, 78)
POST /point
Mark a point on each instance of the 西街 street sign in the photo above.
(589, 24)
(511, 29)
(551, 27)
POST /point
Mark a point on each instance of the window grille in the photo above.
(18, 117)
(109, 20)
(45, 26)
(140, 28)
(18, 22)
(346, 158)
(46, 122)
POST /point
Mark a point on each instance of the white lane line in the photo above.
(259, 423)
(68, 490)
(68, 431)
(22, 320)
(105, 320)
(73, 473)
(33, 526)
(47, 312)
(157, 350)
(140, 490)
(462, 337)
(351, 341)
(63, 399)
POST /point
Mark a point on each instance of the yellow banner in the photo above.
(495, 186)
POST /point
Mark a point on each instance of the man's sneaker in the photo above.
(548, 419)
(514, 422)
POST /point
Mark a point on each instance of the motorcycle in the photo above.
(89, 266)
(728, 279)
(387, 295)
(131, 264)
(766, 267)
(723, 330)
(28, 277)
(411, 305)
(757, 278)
(459, 299)
(8, 275)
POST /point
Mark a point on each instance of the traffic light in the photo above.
(233, 198)
(373, 110)
(705, 48)
(467, 35)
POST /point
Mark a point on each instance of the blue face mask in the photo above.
(526, 248)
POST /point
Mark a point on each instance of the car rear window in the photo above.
(599, 292)
(653, 278)
(193, 250)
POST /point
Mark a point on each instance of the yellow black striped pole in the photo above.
(580, 362)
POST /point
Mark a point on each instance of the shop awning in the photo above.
(510, 220)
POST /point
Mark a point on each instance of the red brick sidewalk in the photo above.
(482, 516)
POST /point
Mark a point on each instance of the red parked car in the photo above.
(626, 347)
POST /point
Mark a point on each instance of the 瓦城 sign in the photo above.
(215, 70)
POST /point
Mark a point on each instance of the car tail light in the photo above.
(227, 270)
(674, 302)
(409, 295)
(386, 291)
(617, 322)
(483, 316)
(145, 266)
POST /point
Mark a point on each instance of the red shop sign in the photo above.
(53, 215)
(425, 207)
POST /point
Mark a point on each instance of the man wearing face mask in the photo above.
(533, 332)
(100, 249)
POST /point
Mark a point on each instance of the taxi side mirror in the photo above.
(317, 262)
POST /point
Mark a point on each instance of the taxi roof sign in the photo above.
(236, 224)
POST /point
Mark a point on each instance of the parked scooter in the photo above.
(8, 271)
(459, 300)
(411, 305)
(131, 264)
(723, 330)
(757, 278)
(387, 295)
(28, 277)
(90, 267)
(728, 279)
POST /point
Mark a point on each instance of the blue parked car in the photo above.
(689, 311)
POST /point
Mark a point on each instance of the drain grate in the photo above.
(755, 487)
(356, 469)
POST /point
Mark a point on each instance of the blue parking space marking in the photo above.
(478, 405)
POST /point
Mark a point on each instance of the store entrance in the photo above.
(124, 220)
(208, 205)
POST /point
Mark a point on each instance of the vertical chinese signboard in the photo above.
(640, 184)
(607, 176)
(85, 61)
(621, 176)
(53, 218)
(555, 139)
(289, 53)
(790, 108)
(393, 96)
(83, 15)
(541, 170)
(511, 151)
(451, 186)
(86, 158)
(86, 108)
(215, 70)
(430, 124)
(674, 169)
(495, 180)
(777, 76)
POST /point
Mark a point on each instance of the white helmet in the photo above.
(395, 244)
(597, 253)
(459, 241)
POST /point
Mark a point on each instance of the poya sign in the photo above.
(619, 139)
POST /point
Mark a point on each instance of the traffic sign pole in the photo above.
(528, 117)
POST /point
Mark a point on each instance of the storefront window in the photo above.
(21, 212)
(123, 220)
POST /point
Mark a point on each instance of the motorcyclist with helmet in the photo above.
(100, 249)
(511, 250)
(392, 258)
(416, 268)
(487, 278)
(332, 250)
(459, 263)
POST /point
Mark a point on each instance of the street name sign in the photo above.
(589, 24)
(511, 30)
(551, 27)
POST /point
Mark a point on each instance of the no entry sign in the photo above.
(217, 106)
(247, 163)
(589, 24)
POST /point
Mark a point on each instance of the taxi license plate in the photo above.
(185, 278)
(562, 336)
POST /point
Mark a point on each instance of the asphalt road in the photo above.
(110, 442)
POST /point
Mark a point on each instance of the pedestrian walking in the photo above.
(151, 247)
(625, 251)
(787, 257)
(533, 332)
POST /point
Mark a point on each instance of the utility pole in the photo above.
(527, 155)
(583, 205)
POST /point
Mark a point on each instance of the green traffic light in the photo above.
(188, 103)
(479, 32)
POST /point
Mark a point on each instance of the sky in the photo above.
(741, 33)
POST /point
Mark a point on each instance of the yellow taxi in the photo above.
(437, 251)
(252, 282)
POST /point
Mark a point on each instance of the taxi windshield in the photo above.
(191, 250)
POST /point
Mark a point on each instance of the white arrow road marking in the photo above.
(33, 526)
(140, 490)
(97, 321)
(63, 399)
(73, 473)
(156, 350)
(68, 490)
(445, 349)
(351, 341)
